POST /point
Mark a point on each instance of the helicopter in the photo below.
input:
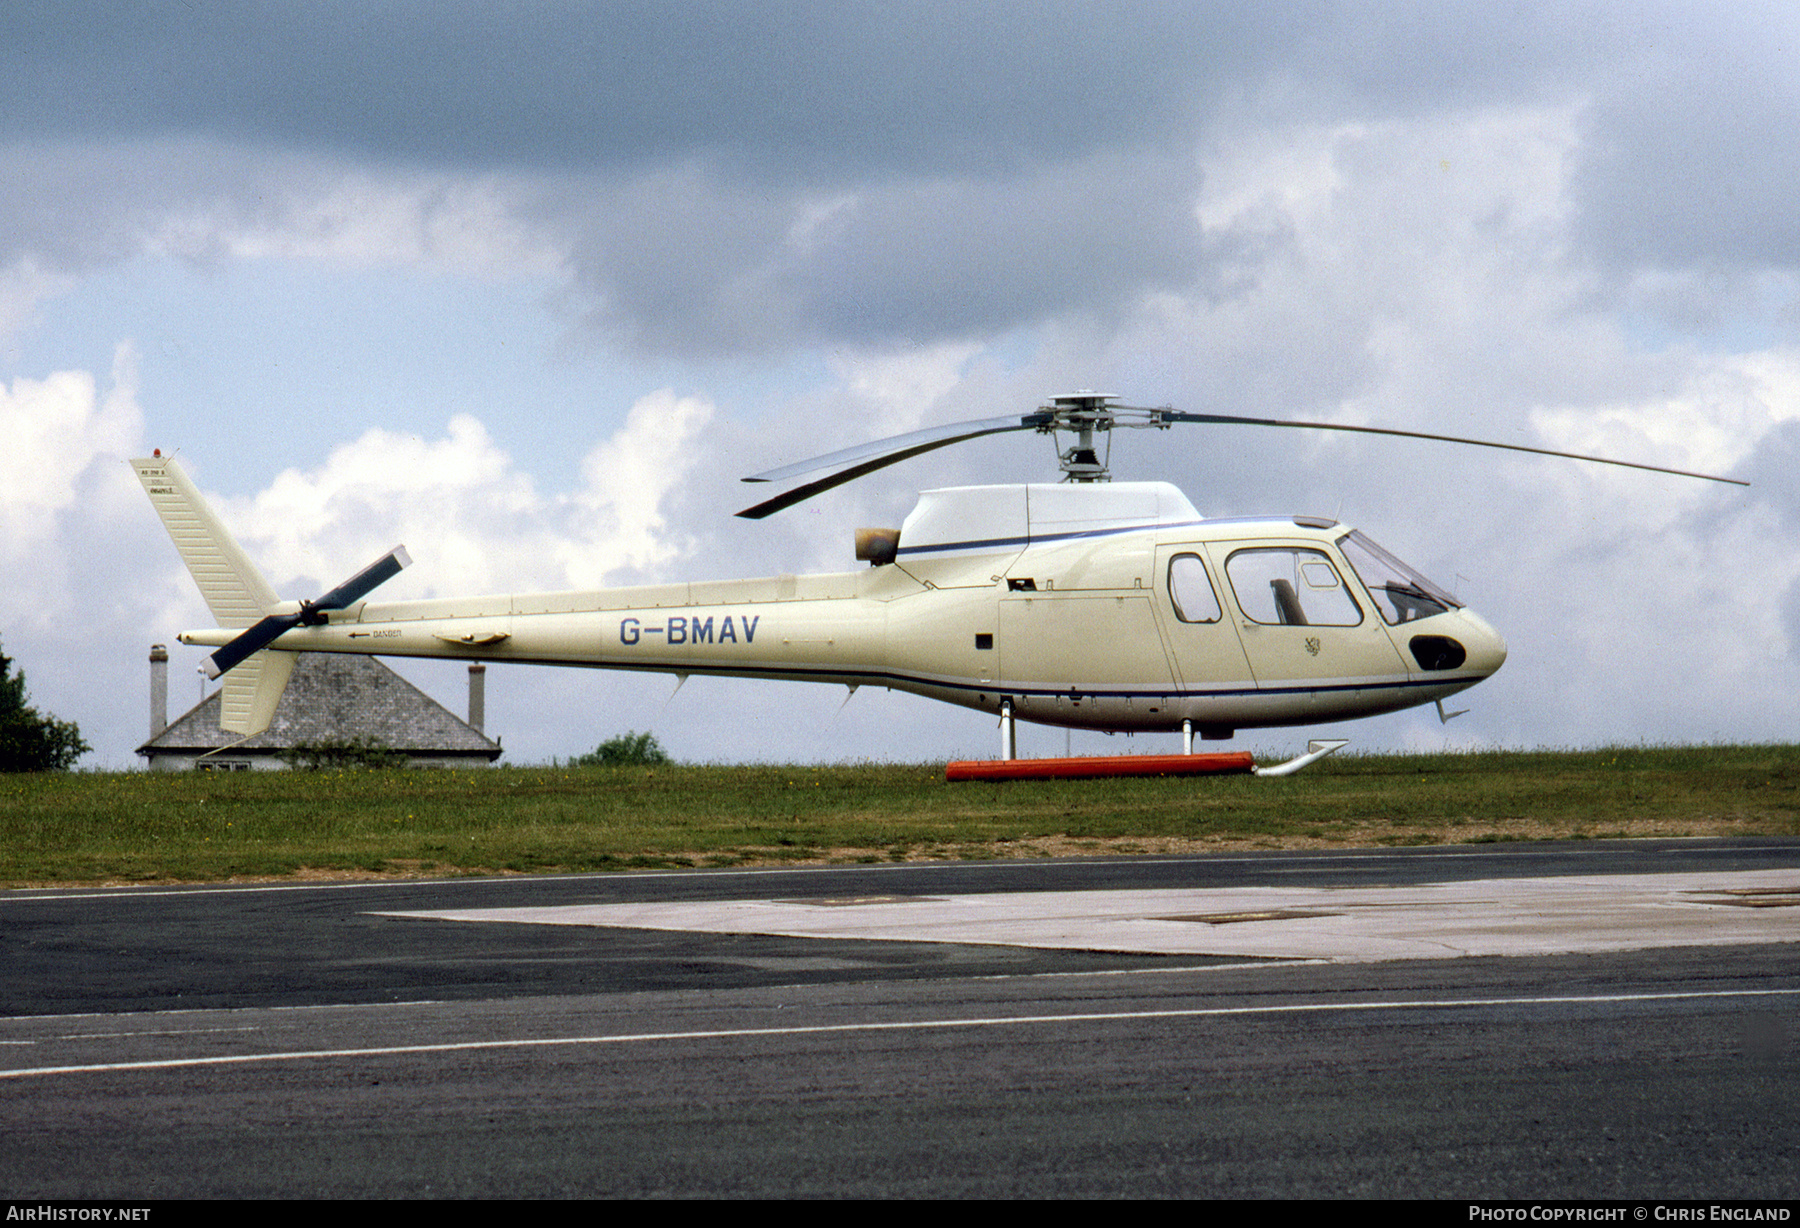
(1084, 603)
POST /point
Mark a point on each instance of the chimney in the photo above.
(477, 695)
(159, 689)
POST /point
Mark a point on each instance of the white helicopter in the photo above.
(1088, 603)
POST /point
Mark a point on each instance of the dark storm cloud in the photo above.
(977, 257)
(803, 86)
(727, 176)
(903, 261)
(1005, 161)
(808, 85)
(74, 207)
(1693, 105)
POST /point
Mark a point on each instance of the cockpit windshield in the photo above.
(1401, 594)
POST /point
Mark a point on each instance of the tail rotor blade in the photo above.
(365, 581)
(271, 628)
(255, 639)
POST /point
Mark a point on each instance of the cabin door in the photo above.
(1298, 620)
(1203, 642)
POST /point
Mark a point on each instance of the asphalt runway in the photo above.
(421, 1039)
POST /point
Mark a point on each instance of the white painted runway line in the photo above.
(1770, 996)
(1519, 916)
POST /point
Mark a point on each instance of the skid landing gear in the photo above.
(1087, 767)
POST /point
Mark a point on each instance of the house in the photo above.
(331, 698)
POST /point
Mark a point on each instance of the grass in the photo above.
(204, 826)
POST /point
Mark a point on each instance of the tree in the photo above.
(625, 750)
(30, 742)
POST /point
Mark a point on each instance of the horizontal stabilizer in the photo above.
(252, 690)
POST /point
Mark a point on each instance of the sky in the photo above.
(529, 287)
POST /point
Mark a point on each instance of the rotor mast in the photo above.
(1082, 414)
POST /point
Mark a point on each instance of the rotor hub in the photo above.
(1082, 414)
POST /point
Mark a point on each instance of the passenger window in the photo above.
(1191, 590)
(1291, 588)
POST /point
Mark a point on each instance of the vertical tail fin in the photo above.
(233, 588)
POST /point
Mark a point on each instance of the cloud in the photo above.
(1716, 421)
(73, 207)
(474, 521)
(1692, 153)
(58, 424)
(457, 498)
(63, 433)
(71, 571)
(735, 180)
(617, 521)
(796, 89)
(686, 262)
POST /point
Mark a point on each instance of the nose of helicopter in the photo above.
(1486, 647)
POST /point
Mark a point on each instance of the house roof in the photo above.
(331, 698)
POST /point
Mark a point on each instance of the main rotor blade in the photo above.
(869, 457)
(1233, 420)
(257, 637)
(363, 582)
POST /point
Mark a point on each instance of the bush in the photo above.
(341, 753)
(626, 750)
(30, 742)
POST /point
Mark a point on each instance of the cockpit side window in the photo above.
(1291, 588)
(1191, 590)
(1401, 594)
